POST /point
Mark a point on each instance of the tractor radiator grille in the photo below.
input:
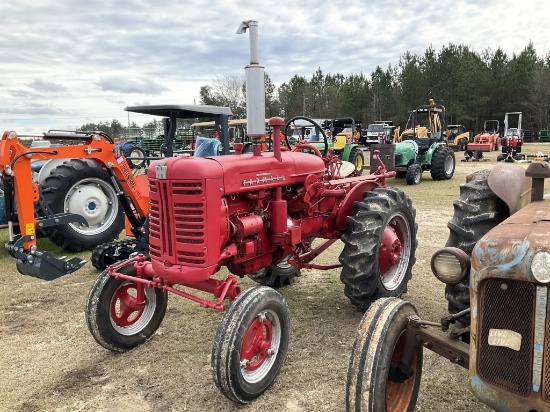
(508, 305)
(178, 221)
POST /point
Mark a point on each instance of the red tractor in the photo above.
(257, 214)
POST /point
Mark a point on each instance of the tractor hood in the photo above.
(508, 249)
(241, 173)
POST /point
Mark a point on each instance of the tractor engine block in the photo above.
(227, 210)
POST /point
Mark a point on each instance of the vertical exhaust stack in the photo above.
(255, 87)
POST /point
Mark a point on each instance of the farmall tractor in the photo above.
(496, 267)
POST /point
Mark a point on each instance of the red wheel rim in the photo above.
(256, 343)
(125, 308)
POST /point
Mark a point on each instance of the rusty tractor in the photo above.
(496, 267)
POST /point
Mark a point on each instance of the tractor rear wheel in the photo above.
(376, 381)
(115, 317)
(78, 187)
(109, 253)
(276, 276)
(476, 212)
(413, 175)
(357, 159)
(443, 163)
(379, 247)
(135, 152)
(250, 344)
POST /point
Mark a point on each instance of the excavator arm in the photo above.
(19, 187)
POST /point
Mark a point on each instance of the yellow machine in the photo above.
(425, 121)
(457, 137)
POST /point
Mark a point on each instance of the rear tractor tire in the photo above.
(376, 381)
(476, 212)
(379, 247)
(78, 187)
(250, 344)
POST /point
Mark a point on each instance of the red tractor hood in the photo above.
(241, 173)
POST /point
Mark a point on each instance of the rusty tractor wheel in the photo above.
(476, 212)
(376, 380)
(116, 319)
(379, 247)
(250, 344)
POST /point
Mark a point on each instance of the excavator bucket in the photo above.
(42, 265)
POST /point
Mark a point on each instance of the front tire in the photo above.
(79, 187)
(379, 247)
(443, 164)
(114, 316)
(357, 159)
(413, 175)
(375, 381)
(250, 344)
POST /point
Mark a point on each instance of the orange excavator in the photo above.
(29, 206)
(23, 198)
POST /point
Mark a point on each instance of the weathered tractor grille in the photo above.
(178, 221)
(508, 305)
(546, 361)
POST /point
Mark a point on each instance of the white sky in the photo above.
(65, 63)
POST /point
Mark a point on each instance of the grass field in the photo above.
(50, 362)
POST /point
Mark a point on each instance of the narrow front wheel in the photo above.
(117, 317)
(377, 381)
(250, 344)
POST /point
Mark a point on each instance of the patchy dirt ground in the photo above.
(50, 362)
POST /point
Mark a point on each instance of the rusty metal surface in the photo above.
(439, 342)
(503, 257)
(508, 182)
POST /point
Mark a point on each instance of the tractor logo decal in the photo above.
(264, 179)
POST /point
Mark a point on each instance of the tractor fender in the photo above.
(509, 183)
(347, 206)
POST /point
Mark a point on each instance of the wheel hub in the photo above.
(90, 202)
(256, 347)
(390, 249)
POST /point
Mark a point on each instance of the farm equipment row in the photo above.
(268, 214)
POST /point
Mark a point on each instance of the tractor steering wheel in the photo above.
(313, 123)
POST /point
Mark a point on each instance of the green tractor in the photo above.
(343, 144)
(422, 146)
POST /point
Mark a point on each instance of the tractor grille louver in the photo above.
(509, 307)
(178, 221)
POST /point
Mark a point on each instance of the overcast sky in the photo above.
(65, 63)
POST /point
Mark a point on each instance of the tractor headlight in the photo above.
(450, 265)
(540, 267)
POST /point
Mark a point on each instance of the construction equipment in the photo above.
(265, 215)
(343, 145)
(421, 146)
(495, 267)
(512, 140)
(457, 137)
(487, 141)
(81, 203)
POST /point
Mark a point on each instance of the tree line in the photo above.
(472, 86)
